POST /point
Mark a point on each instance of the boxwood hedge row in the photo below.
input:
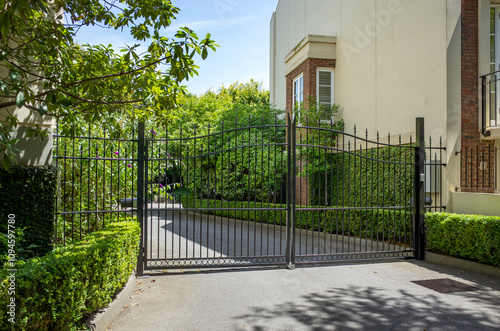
(56, 291)
(394, 226)
(472, 237)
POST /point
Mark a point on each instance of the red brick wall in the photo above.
(308, 69)
(471, 137)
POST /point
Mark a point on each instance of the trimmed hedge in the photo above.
(29, 193)
(57, 291)
(371, 177)
(472, 237)
(394, 226)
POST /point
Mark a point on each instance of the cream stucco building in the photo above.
(386, 62)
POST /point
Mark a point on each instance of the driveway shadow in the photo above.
(370, 308)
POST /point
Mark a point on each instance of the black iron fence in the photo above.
(95, 171)
(490, 102)
(282, 193)
(254, 194)
(435, 165)
(479, 167)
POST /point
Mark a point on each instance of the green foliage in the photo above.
(216, 165)
(368, 177)
(472, 237)
(240, 104)
(49, 74)
(56, 291)
(103, 173)
(314, 114)
(393, 226)
(250, 173)
(28, 192)
(246, 167)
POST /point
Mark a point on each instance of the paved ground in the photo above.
(369, 296)
(182, 234)
(344, 296)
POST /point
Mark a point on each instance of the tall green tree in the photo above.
(44, 70)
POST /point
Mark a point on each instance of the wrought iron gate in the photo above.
(280, 194)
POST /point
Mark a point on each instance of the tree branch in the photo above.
(99, 102)
(114, 75)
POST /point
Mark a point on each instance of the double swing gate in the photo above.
(280, 194)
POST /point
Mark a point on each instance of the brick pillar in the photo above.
(308, 70)
(472, 175)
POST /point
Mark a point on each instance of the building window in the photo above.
(324, 87)
(298, 91)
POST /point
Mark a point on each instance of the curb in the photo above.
(465, 265)
(100, 320)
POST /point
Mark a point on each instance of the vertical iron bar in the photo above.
(275, 190)
(477, 167)
(254, 191)
(64, 192)
(483, 102)
(235, 234)
(440, 174)
(73, 191)
(332, 160)
(58, 188)
(308, 187)
(140, 197)
(172, 189)
(372, 202)
(368, 189)
(294, 185)
(80, 193)
(104, 179)
(419, 196)
(147, 220)
(288, 189)
(305, 214)
(377, 181)
(466, 171)
(496, 167)
(301, 169)
(349, 194)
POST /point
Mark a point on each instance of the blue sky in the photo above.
(239, 27)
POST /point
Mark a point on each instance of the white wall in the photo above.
(391, 58)
(34, 150)
(396, 60)
(475, 203)
(454, 98)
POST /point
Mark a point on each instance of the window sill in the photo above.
(494, 133)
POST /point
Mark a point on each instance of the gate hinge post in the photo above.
(419, 191)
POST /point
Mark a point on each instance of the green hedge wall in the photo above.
(472, 237)
(57, 291)
(371, 177)
(394, 226)
(29, 193)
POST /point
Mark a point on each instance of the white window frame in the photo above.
(298, 96)
(332, 71)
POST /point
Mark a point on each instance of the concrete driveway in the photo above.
(344, 296)
(358, 296)
(181, 234)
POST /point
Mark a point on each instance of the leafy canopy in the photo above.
(44, 70)
(239, 104)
